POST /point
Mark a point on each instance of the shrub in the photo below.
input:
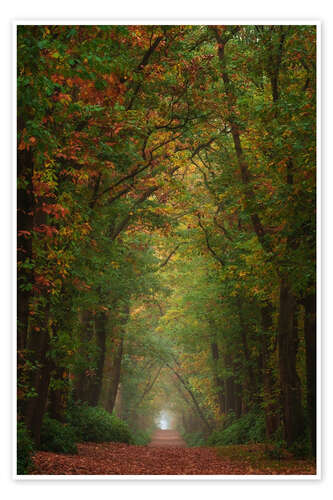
(194, 439)
(25, 449)
(301, 448)
(141, 438)
(249, 428)
(57, 437)
(97, 425)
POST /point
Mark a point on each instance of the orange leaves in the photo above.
(26, 143)
(55, 209)
(25, 234)
(49, 231)
(42, 282)
(117, 128)
(42, 188)
(64, 98)
(122, 459)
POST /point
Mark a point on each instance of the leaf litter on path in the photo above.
(123, 459)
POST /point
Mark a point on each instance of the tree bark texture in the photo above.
(293, 417)
(311, 366)
(272, 419)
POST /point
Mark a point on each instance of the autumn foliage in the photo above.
(166, 197)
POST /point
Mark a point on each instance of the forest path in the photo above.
(167, 438)
(168, 459)
(121, 459)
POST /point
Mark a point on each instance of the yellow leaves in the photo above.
(86, 228)
(66, 231)
(65, 99)
(114, 264)
(46, 31)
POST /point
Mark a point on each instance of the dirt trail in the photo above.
(167, 438)
(167, 453)
(155, 459)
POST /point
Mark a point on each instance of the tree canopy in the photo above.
(166, 224)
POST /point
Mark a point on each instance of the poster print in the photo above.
(166, 262)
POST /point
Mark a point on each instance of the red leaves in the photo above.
(122, 459)
(42, 188)
(49, 231)
(41, 281)
(26, 144)
(55, 209)
(25, 234)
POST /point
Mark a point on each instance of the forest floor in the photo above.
(167, 455)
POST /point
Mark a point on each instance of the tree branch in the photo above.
(210, 248)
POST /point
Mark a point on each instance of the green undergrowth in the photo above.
(85, 424)
(141, 438)
(249, 428)
(25, 449)
(193, 439)
(94, 424)
(263, 457)
(58, 437)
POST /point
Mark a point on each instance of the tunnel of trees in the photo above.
(166, 225)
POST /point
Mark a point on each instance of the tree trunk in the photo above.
(238, 390)
(115, 379)
(96, 382)
(219, 384)
(229, 384)
(25, 205)
(230, 404)
(195, 402)
(311, 366)
(112, 371)
(83, 378)
(38, 347)
(293, 417)
(271, 405)
(244, 327)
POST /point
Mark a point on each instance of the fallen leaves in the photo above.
(123, 459)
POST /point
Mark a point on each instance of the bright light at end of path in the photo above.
(163, 421)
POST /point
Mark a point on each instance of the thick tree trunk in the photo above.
(311, 366)
(230, 386)
(96, 382)
(112, 368)
(271, 405)
(38, 347)
(230, 404)
(244, 327)
(25, 204)
(115, 378)
(38, 343)
(83, 378)
(293, 417)
(238, 391)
